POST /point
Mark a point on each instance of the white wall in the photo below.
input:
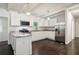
(73, 27)
(3, 29)
(5, 15)
(70, 34)
(77, 27)
(4, 5)
(3, 10)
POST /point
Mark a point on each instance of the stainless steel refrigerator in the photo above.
(60, 33)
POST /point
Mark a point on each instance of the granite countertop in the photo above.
(42, 30)
(19, 34)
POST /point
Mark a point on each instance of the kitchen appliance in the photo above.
(24, 31)
(60, 33)
(25, 23)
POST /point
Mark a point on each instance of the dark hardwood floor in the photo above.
(46, 47)
(49, 47)
(5, 49)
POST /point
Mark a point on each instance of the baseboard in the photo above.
(69, 41)
(40, 40)
(50, 39)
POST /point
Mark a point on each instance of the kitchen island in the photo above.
(21, 43)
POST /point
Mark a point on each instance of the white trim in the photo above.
(72, 7)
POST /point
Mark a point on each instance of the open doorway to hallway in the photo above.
(75, 22)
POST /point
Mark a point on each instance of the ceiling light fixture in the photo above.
(48, 18)
(28, 13)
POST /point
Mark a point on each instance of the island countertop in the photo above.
(42, 30)
(19, 34)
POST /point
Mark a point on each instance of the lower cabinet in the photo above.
(39, 35)
(51, 35)
(22, 45)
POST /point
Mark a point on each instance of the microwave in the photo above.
(25, 23)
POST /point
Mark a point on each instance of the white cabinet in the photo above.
(52, 21)
(22, 45)
(23, 17)
(43, 22)
(15, 19)
(61, 18)
(57, 20)
(40, 21)
(51, 35)
(39, 35)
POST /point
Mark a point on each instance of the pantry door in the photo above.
(3, 29)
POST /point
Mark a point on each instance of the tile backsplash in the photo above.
(19, 28)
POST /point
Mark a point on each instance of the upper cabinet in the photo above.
(45, 22)
(57, 19)
(52, 21)
(61, 18)
(15, 18)
(42, 22)
(23, 17)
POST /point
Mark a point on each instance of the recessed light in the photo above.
(48, 18)
(28, 13)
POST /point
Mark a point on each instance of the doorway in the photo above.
(3, 29)
(75, 14)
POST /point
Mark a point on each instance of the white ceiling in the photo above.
(75, 11)
(38, 9)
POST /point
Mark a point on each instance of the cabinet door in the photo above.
(51, 35)
(61, 18)
(43, 22)
(52, 22)
(23, 17)
(23, 46)
(38, 35)
(20, 46)
(40, 22)
(15, 19)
